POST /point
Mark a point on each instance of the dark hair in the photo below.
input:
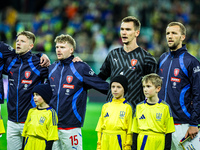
(136, 22)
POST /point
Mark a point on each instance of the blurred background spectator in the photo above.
(95, 24)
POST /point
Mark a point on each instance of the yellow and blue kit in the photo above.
(152, 123)
(40, 127)
(2, 129)
(115, 125)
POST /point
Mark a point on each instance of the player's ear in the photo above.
(158, 89)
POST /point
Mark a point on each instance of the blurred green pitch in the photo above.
(89, 134)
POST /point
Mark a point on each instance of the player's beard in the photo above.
(174, 46)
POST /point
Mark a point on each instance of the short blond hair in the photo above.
(153, 78)
(28, 34)
(182, 27)
(66, 38)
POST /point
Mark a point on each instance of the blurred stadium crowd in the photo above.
(95, 24)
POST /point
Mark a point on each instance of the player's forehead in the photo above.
(127, 25)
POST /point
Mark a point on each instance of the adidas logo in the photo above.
(142, 117)
(107, 115)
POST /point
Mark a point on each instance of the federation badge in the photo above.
(176, 71)
(69, 79)
(133, 62)
(27, 74)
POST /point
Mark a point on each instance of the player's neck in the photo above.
(43, 106)
(153, 100)
(130, 47)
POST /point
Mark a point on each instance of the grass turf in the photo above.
(89, 134)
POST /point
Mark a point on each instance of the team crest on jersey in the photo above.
(158, 116)
(122, 114)
(27, 74)
(176, 71)
(69, 79)
(42, 120)
(133, 62)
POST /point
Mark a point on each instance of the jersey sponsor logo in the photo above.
(52, 78)
(176, 72)
(27, 74)
(173, 79)
(115, 59)
(26, 81)
(158, 116)
(68, 86)
(42, 120)
(107, 115)
(69, 79)
(122, 114)
(11, 73)
(196, 69)
(161, 70)
(142, 117)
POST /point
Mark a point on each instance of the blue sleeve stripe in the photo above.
(119, 141)
(144, 142)
(75, 72)
(11, 64)
(161, 63)
(53, 69)
(26, 142)
(74, 104)
(1, 55)
(124, 102)
(1, 68)
(182, 64)
(33, 67)
(53, 117)
(181, 99)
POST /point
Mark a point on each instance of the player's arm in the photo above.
(91, 80)
(168, 140)
(150, 65)
(134, 145)
(128, 142)
(105, 70)
(194, 75)
(23, 140)
(44, 60)
(49, 145)
(99, 134)
(192, 131)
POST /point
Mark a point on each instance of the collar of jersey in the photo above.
(67, 61)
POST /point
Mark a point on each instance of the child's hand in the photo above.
(127, 147)
(98, 146)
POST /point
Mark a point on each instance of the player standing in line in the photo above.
(130, 60)
(180, 72)
(24, 73)
(7, 51)
(70, 82)
(152, 122)
(115, 122)
(40, 128)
